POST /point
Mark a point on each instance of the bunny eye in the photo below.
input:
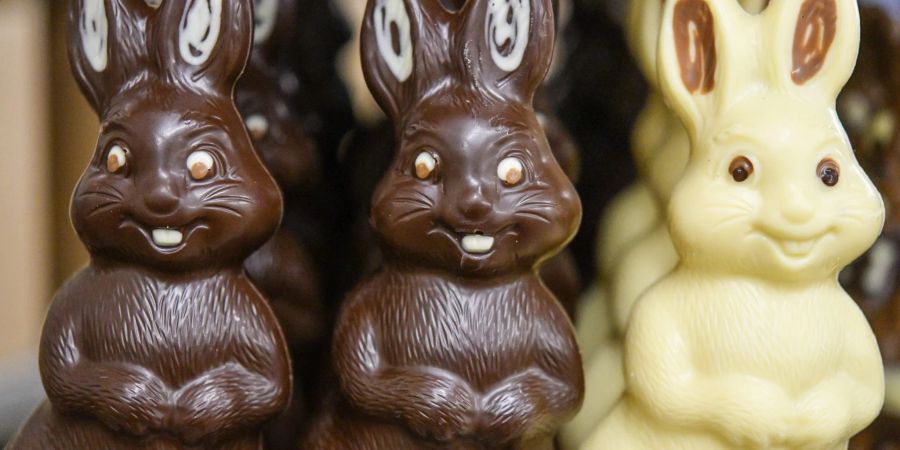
(511, 171)
(200, 164)
(740, 169)
(116, 159)
(425, 164)
(829, 172)
(258, 126)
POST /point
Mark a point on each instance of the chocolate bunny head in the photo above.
(773, 188)
(474, 187)
(174, 183)
(264, 95)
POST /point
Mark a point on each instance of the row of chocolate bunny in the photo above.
(742, 337)
(454, 341)
(164, 341)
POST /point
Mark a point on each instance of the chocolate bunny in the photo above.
(455, 342)
(284, 269)
(871, 106)
(162, 342)
(751, 342)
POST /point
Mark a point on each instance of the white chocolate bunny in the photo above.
(634, 211)
(751, 342)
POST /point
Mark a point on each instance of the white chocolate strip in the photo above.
(386, 14)
(199, 31)
(515, 33)
(95, 34)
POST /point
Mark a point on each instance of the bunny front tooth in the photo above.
(476, 243)
(798, 248)
(165, 237)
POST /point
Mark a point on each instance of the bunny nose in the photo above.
(473, 204)
(161, 198)
(796, 206)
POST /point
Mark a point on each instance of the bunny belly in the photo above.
(176, 330)
(343, 429)
(792, 338)
(47, 429)
(628, 427)
(481, 335)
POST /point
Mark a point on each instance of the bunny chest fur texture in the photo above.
(159, 361)
(481, 335)
(687, 351)
(178, 347)
(483, 350)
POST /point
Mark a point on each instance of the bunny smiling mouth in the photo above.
(794, 247)
(473, 242)
(165, 239)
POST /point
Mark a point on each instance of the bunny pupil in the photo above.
(741, 169)
(829, 172)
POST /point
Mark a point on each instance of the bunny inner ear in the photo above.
(393, 37)
(695, 44)
(265, 14)
(199, 31)
(508, 25)
(94, 29)
(815, 32)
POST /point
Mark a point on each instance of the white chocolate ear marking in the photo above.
(95, 33)
(508, 26)
(199, 31)
(264, 14)
(391, 17)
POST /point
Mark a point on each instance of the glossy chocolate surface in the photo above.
(456, 343)
(162, 341)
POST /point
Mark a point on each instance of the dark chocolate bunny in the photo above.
(162, 342)
(870, 105)
(456, 342)
(284, 269)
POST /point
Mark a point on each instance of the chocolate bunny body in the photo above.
(162, 342)
(751, 342)
(284, 269)
(870, 105)
(456, 342)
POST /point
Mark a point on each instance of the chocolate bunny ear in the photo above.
(273, 26)
(106, 46)
(513, 45)
(203, 44)
(404, 50)
(815, 43)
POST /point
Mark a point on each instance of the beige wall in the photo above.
(25, 171)
(74, 136)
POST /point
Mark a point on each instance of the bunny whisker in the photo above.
(230, 198)
(413, 202)
(103, 194)
(534, 215)
(410, 215)
(223, 208)
(729, 220)
(217, 191)
(103, 207)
